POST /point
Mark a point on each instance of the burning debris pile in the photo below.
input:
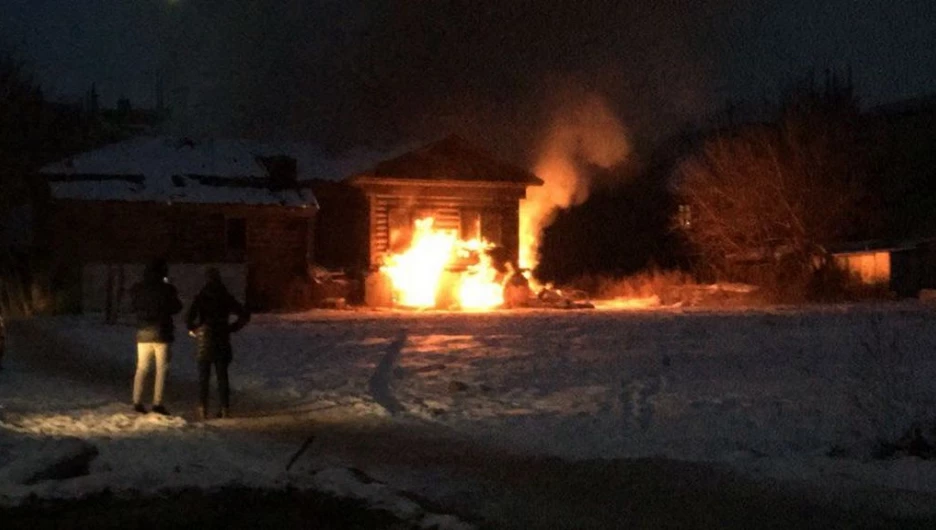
(438, 261)
(331, 289)
(439, 270)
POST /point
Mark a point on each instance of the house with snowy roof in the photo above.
(264, 214)
(239, 205)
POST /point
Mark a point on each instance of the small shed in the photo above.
(904, 267)
(870, 267)
(236, 204)
(462, 187)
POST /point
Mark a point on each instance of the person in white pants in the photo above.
(154, 300)
(147, 354)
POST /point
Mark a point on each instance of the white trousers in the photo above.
(147, 352)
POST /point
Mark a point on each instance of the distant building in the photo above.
(904, 268)
(236, 204)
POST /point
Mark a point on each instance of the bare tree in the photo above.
(777, 193)
(21, 105)
(20, 102)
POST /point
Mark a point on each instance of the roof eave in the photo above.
(367, 180)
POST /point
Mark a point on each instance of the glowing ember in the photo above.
(628, 303)
(417, 273)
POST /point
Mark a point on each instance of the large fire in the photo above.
(436, 261)
(585, 132)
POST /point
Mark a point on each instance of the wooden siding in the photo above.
(278, 239)
(871, 267)
(447, 210)
(105, 287)
(341, 227)
(276, 260)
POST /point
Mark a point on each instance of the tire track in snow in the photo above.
(379, 383)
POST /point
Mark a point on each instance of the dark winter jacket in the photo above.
(154, 301)
(209, 319)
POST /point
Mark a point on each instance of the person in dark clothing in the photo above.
(154, 301)
(208, 320)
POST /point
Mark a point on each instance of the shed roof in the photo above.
(449, 159)
(878, 245)
(162, 168)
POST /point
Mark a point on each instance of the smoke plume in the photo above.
(584, 133)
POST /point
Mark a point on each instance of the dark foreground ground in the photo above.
(229, 509)
(641, 494)
(505, 490)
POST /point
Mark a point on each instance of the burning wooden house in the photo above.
(442, 223)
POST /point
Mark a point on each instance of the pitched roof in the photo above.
(178, 170)
(451, 159)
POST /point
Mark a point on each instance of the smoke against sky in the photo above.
(584, 132)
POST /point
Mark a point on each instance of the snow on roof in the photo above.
(184, 170)
(187, 192)
(879, 245)
(314, 164)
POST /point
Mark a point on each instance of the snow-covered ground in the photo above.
(804, 394)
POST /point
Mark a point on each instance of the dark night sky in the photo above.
(348, 72)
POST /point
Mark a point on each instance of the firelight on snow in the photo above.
(419, 274)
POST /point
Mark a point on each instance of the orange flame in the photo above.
(479, 287)
(417, 274)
